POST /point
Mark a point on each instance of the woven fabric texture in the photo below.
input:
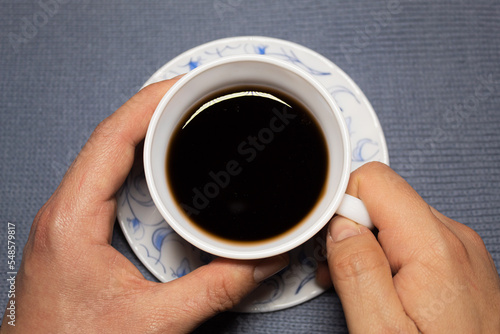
(429, 68)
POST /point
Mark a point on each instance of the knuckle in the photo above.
(108, 135)
(106, 132)
(216, 293)
(102, 133)
(375, 166)
(474, 238)
(437, 253)
(442, 246)
(219, 295)
(476, 245)
(373, 169)
(49, 228)
(356, 264)
(40, 230)
(103, 129)
(449, 247)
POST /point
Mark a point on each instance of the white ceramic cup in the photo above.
(278, 75)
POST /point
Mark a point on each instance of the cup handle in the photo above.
(354, 209)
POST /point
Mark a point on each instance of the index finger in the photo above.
(405, 222)
(106, 159)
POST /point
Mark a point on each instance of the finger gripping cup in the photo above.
(354, 209)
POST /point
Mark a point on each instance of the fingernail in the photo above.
(342, 228)
(270, 266)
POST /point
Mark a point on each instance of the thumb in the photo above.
(362, 279)
(218, 286)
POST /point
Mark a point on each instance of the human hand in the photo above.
(72, 281)
(425, 273)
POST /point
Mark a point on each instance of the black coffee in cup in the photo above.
(247, 163)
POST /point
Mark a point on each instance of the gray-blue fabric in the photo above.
(431, 70)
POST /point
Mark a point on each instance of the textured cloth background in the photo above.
(431, 70)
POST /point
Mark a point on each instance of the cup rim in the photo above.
(281, 247)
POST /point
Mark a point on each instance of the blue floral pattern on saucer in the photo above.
(168, 256)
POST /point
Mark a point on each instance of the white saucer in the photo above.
(168, 256)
